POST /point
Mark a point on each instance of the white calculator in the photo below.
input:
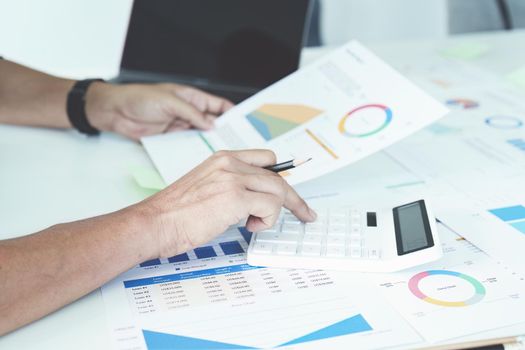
(350, 239)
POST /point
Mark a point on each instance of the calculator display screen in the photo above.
(412, 228)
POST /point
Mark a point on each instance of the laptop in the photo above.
(231, 48)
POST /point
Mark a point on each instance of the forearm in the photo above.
(47, 270)
(29, 97)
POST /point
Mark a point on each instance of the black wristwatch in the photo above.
(76, 107)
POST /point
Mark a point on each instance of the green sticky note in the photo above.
(465, 51)
(147, 177)
(518, 77)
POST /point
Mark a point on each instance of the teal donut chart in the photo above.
(479, 289)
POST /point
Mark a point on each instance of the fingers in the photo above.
(264, 209)
(277, 186)
(298, 206)
(255, 157)
(178, 124)
(203, 101)
(135, 130)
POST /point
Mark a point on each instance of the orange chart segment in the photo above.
(273, 120)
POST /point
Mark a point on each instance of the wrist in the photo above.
(140, 232)
(100, 109)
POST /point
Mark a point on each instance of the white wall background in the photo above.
(80, 38)
(65, 36)
(382, 20)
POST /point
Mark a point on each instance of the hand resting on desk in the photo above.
(32, 98)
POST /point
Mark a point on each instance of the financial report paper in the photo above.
(209, 298)
(341, 108)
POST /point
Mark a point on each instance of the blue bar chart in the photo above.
(513, 215)
(204, 252)
(236, 242)
(150, 263)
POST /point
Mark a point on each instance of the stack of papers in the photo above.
(340, 109)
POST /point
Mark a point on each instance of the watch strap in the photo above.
(76, 107)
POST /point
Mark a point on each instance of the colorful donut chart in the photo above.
(413, 286)
(504, 122)
(462, 103)
(388, 119)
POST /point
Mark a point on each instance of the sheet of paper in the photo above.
(342, 108)
(472, 160)
(465, 292)
(210, 298)
(494, 219)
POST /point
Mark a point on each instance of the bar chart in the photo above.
(227, 244)
(513, 215)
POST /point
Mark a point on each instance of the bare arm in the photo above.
(49, 269)
(29, 97)
(32, 98)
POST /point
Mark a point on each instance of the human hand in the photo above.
(226, 188)
(137, 110)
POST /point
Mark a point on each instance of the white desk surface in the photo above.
(50, 176)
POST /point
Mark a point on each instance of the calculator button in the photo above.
(270, 230)
(355, 252)
(291, 228)
(291, 219)
(338, 220)
(373, 254)
(340, 212)
(321, 218)
(312, 239)
(286, 249)
(311, 250)
(336, 230)
(355, 242)
(262, 248)
(314, 228)
(335, 241)
(335, 251)
(269, 237)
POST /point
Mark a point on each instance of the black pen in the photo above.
(290, 164)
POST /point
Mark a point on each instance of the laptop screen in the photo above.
(248, 43)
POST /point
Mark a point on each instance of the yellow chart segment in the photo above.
(298, 114)
(445, 303)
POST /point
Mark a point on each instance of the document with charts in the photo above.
(339, 109)
(209, 298)
(464, 293)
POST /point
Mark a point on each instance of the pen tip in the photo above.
(300, 162)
